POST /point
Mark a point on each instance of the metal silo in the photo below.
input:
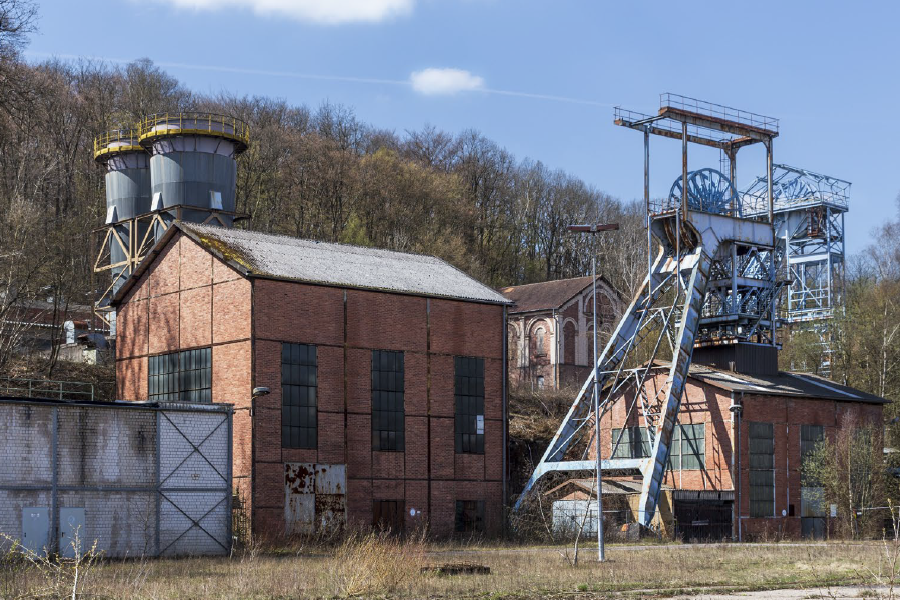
(192, 166)
(127, 197)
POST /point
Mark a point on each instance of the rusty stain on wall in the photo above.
(315, 497)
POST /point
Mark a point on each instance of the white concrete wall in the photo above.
(106, 462)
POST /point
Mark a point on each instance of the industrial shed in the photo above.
(386, 374)
(742, 432)
(139, 479)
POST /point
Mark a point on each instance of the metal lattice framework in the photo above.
(809, 213)
(713, 281)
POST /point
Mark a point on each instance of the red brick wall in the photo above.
(787, 415)
(428, 476)
(190, 299)
(701, 403)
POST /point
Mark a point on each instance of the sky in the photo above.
(541, 78)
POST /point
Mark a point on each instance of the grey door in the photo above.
(36, 529)
(71, 532)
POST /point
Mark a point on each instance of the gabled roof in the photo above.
(802, 385)
(547, 295)
(257, 254)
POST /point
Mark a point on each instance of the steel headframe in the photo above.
(714, 273)
(809, 230)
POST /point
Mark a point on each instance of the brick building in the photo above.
(773, 417)
(550, 330)
(386, 372)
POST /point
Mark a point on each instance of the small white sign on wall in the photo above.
(833, 511)
(479, 424)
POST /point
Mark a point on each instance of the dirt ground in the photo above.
(834, 593)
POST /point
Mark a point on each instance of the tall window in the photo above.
(469, 516)
(184, 376)
(688, 449)
(762, 470)
(539, 341)
(299, 386)
(633, 443)
(812, 495)
(810, 435)
(387, 401)
(469, 384)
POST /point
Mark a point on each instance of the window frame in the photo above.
(468, 396)
(187, 376)
(388, 396)
(761, 469)
(299, 396)
(679, 440)
(630, 442)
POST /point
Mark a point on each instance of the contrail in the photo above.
(318, 77)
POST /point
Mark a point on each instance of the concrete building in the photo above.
(550, 330)
(386, 372)
(743, 429)
(139, 479)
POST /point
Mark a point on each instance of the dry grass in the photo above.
(379, 566)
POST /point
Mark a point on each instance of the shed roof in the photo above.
(783, 383)
(548, 294)
(610, 486)
(258, 254)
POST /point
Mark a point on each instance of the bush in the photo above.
(374, 563)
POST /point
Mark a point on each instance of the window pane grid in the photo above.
(762, 469)
(634, 443)
(469, 394)
(184, 376)
(299, 386)
(388, 416)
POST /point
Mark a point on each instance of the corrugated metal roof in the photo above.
(782, 384)
(546, 295)
(283, 257)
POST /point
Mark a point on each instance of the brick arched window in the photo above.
(569, 343)
(539, 341)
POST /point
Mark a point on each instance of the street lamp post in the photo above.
(592, 229)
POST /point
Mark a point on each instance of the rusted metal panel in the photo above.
(300, 478)
(315, 497)
(331, 510)
(331, 479)
(299, 513)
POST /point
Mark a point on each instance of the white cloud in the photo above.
(434, 82)
(327, 12)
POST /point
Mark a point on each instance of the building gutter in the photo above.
(505, 401)
(736, 409)
(555, 349)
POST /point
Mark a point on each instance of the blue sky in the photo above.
(541, 77)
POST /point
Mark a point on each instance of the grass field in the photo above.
(371, 567)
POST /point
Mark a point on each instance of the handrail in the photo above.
(126, 140)
(47, 388)
(164, 124)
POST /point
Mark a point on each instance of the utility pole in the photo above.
(592, 229)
